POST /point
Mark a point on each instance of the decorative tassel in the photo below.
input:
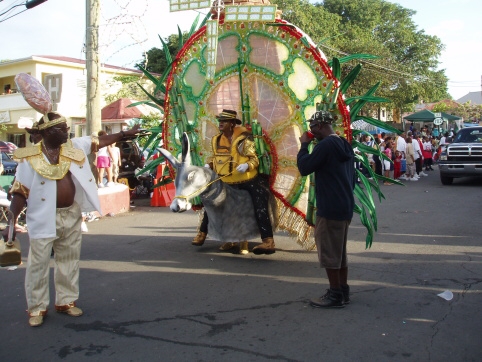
(295, 225)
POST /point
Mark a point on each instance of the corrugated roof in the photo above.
(473, 97)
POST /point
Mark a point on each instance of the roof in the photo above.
(428, 116)
(66, 60)
(119, 110)
(430, 106)
(473, 97)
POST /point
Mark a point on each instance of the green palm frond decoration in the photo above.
(366, 206)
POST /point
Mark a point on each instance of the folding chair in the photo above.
(4, 206)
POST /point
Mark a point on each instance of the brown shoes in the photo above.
(199, 238)
(239, 248)
(266, 247)
(36, 319)
(228, 246)
(69, 309)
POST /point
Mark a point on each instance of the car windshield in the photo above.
(469, 136)
(5, 157)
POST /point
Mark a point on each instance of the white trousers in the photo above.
(66, 246)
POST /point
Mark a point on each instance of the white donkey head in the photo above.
(190, 180)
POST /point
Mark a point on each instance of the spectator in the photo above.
(386, 164)
(376, 158)
(116, 162)
(410, 157)
(104, 156)
(427, 154)
(400, 145)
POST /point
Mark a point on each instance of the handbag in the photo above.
(10, 253)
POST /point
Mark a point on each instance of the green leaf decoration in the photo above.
(366, 222)
(181, 39)
(305, 41)
(336, 68)
(353, 57)
(379, 124)
(157, 101)
(366, 198)
(167, 53)
(360, 103)
(350, 78)
(367, 99)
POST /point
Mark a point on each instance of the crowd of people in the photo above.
(412, 153)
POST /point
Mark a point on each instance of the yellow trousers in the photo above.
(66, 246)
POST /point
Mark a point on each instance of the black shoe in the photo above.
(332, 299)
(345, 289)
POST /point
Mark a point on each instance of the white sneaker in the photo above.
(403, 177)
(423, 173)
(416, 176)
(83, 227)
(100, 185)
(413, 179)
(110, 184)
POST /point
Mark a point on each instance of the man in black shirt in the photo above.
(332, 161)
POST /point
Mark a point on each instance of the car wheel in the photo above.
(446, 180)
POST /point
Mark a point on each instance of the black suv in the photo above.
(132, 159)
(462, 157)
(9, 165)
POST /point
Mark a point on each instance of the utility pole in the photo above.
(92, 116)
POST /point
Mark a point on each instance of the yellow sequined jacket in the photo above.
(227, 156)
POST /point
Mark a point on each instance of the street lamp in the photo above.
(33, 3)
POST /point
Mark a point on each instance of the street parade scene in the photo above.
(287, 180)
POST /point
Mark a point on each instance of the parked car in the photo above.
(9, 165)
(131, 159)
(462, 157)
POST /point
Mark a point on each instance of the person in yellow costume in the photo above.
(235, 160)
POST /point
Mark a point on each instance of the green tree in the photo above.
(154, 59)
(129, 89)
(408, 58)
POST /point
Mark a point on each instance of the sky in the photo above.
(128, 28)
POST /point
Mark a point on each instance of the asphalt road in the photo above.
(148, 295)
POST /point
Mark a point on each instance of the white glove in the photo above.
(207, 165)
(242, 168)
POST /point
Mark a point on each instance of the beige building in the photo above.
(65, 80)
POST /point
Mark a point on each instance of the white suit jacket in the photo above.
(42, 199)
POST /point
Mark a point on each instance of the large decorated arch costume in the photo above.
(273, 75)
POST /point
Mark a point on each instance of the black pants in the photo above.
(418, 165)
(258, 189)
(427, 162)
(378, 165)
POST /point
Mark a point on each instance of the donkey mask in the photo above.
(230, 211)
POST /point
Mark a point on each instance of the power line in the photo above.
(29, 4)
(376, 65)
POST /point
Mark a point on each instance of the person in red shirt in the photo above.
(427, 154)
